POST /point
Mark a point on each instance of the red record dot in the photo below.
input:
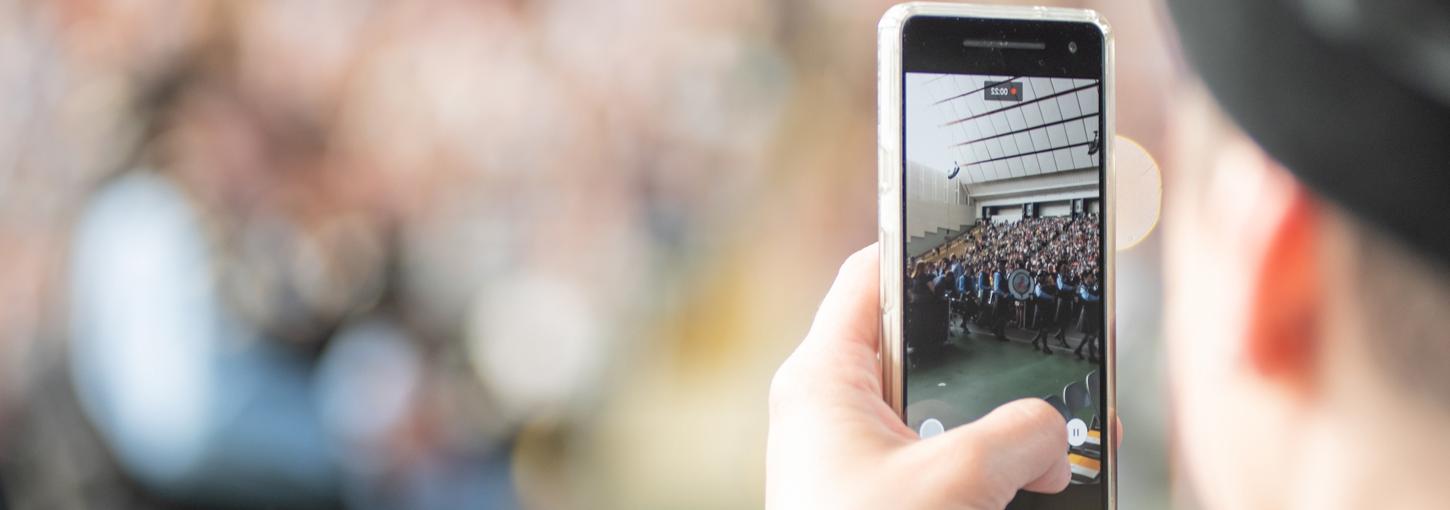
(1012, 91)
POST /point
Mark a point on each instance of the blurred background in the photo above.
(536, 254)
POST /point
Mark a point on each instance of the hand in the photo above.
(834, 443)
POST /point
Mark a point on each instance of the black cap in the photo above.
(1352, 96)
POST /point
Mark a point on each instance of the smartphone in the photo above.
(996, 207)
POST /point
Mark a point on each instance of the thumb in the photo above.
(1020, 445)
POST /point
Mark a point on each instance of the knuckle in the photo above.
(1038, 412)
(962, 473)
(967, 457)
(980, 463)
(1040, 416)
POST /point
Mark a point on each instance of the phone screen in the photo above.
(1003, 218)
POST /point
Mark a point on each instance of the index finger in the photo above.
(849, 314)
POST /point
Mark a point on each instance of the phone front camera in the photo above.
(1072, 47)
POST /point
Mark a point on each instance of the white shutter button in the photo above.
(1077, 432)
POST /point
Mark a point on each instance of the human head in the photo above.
(1306, 341)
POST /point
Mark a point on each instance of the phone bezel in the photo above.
(891, 172)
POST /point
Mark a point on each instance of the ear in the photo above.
(1282, 336)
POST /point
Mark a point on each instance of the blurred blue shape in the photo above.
(192, 405)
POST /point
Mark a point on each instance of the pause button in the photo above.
(1076, 432)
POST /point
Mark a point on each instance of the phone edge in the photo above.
(890, 174)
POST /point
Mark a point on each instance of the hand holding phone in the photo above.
(834, 443)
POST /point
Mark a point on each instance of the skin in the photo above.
(834, 443)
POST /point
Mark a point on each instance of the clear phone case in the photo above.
(889, 188)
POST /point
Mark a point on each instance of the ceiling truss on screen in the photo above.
(1054, 128)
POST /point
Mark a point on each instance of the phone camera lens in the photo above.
(1072, 47)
